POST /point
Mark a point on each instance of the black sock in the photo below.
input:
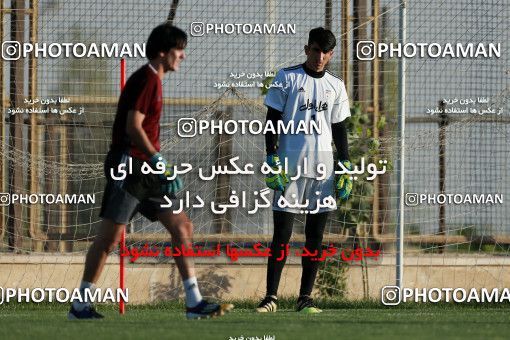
(314, 230)
(283, 222)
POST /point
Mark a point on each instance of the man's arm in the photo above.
(276, 181)
(344, 183)
(339, 132)
(272, 138)
(137, 134)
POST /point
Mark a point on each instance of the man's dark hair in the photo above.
(163, 38)
(323, 37)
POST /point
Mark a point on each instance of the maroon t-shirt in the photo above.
(142, 92)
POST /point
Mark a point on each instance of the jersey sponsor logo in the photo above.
(314, 106)
(301, 89)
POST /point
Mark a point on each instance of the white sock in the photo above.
(193, 296)
(79, 306)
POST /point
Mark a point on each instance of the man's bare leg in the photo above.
(181, 229)
(104, 243)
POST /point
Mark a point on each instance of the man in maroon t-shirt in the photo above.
(135, 141)
(142, 93)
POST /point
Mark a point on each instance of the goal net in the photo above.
(59, 111)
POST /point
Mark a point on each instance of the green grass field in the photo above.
(369, 320)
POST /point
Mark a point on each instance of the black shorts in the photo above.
(137, 192)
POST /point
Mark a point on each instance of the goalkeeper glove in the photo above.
(279, 180)
(344, 183)
(168, 186)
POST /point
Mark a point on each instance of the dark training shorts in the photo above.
(138, 192)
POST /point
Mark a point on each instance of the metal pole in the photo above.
(17, 95)
(328, 15)
(270, 42)
(401, 137)
(2, 127)
(345, 43)
(360, 93)
(173, 10)
(35, 210)
(443, 123)
(375, 105)
(223, 224)
(122, 269)
(384, 181)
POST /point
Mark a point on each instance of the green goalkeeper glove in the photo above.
(279, 180)
(168, 186)
(344, 184)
